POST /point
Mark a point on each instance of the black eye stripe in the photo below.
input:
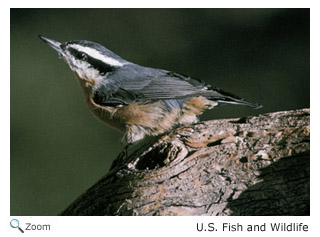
(77, 54)
(102, 67)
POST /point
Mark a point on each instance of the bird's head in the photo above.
(90, 61)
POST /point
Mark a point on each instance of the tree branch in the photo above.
(245, 166)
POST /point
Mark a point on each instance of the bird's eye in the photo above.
(84, 56)
(81, 56)
(78, 54)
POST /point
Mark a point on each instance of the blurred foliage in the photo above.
(58, 149)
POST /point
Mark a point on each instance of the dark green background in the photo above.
(58, 149)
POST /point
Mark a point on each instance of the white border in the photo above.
(147, 226)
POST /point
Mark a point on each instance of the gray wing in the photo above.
(134, 83)
(167, 85)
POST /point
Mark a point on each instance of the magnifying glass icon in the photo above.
(14, 223)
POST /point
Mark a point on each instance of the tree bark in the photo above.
(256, 165)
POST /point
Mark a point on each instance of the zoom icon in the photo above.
(14, 223)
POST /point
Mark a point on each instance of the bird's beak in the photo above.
(53, 44)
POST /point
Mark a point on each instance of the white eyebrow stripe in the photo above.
(96, 54)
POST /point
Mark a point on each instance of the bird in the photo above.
(138, 101)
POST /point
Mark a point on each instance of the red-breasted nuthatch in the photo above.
(137, 100)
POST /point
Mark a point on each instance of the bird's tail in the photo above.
(223, 97)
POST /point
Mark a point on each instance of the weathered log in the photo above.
(244, 166)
